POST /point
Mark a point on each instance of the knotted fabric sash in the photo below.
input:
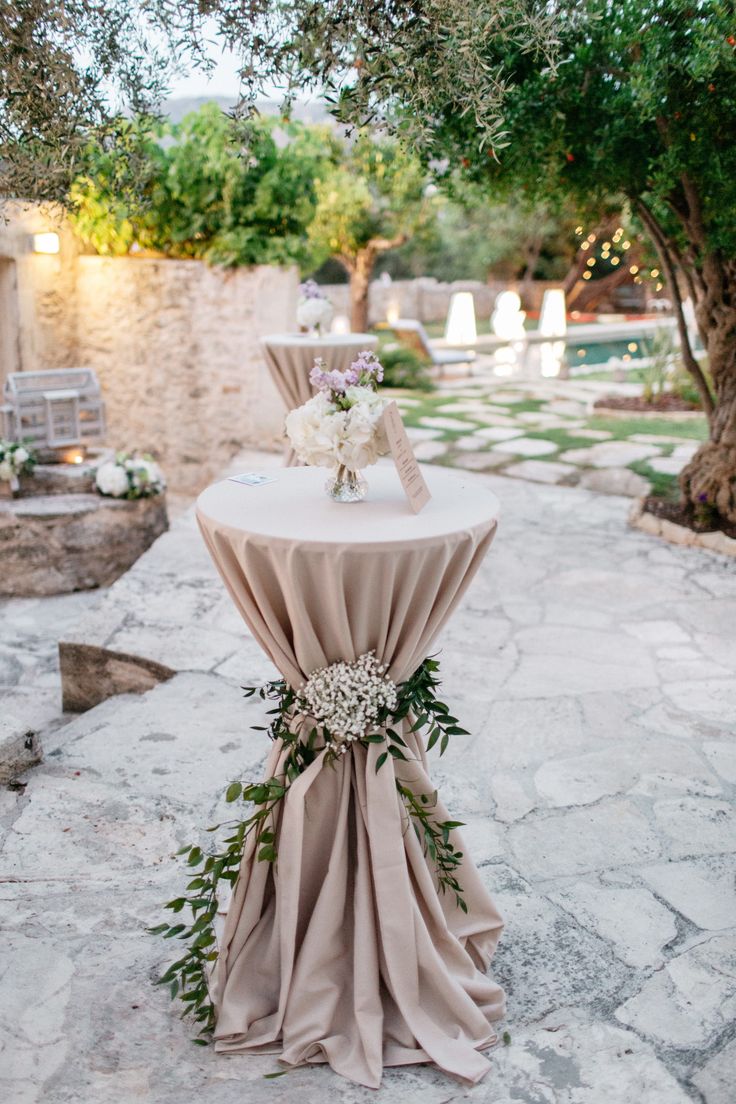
(344, 952)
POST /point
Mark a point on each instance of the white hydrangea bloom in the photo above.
(311, 313)
(112, 479)
(324, 436)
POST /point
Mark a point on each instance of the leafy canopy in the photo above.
(641, 104)
(68, 68)
(213, 188)
(372, 194)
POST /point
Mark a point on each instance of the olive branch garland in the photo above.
(416, 700)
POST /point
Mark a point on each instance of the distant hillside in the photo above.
(312, 112)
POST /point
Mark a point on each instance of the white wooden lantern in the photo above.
(53, 409)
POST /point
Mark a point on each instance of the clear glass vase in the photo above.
(345, 485)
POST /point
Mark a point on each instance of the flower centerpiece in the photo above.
(341, 427)
(15, 460)
(314, 309)
(130, 477)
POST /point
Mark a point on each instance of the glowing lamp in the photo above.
(460, 328)
(340, 324)
(393, 312)
(553, 317)
(46, 243)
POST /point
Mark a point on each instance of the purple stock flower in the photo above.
(365, 371)
(702, 497)
(310, 289)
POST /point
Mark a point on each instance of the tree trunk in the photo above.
(360, 280)
(710, 477)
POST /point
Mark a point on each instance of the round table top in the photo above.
(295, 508)
(364, 340)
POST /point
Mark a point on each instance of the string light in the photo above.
(585, 245)
(606, 245)
(655, 272)
(615, 260)
(591, 238)
(659, 287)
(590, 262)
(634, 269)
(632, 346)
(626, 245)
(587, 275)
(578, 229)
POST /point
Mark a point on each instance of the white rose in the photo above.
(6, 471)
(112, 479)
(19, 457)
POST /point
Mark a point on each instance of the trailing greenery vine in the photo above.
(416, 702)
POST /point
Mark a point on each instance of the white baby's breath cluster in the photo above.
(130, 477)
(347, 699)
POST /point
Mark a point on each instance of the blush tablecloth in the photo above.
(345, 952)
(290, 358)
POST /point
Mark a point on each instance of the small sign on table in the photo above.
(410, 473)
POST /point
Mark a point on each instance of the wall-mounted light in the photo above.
(46, 243)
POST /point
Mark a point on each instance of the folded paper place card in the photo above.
(409, 471)
(253, 479)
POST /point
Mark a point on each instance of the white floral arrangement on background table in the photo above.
(16, 459)
(341, 427)
(314, 309)
(130, 477)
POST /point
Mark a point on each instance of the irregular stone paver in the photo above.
(446, 423)
(539, 471)
(421, 433)
(617, 481)
(527, 446)
(498, 433)
(429, 450)
(668, 465)
(692, 999)
(480, 461)
(610, 454)
(597, 793)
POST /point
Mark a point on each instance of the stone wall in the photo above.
(428, 300)
(175, 343)
(37, 291)
(176, 347)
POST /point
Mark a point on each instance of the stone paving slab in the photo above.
(597, 788)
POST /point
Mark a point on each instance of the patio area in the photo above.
(594, 667)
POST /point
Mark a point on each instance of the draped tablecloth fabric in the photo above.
(345, 952)
(290, 359)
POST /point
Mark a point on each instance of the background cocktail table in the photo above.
(290, 359)
(345, 952)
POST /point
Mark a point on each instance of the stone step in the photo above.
(169, 613)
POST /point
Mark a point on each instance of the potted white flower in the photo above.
(130, 477)
(15, 459)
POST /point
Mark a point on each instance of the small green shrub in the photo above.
(403, 368)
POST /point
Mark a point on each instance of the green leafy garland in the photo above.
(416, 700)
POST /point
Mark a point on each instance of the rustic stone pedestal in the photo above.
(57, 543)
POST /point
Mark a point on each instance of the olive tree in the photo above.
(373, 198)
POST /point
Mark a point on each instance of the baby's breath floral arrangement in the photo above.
(130, 477)
(314, 309)
(16, 459)
(341, 427)
(338, 708)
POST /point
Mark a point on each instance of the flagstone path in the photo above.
(596, 670)
(546, 431)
